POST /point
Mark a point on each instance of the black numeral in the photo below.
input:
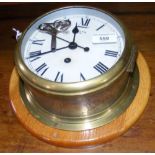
(42, 68)
(111, 53)
(38, 42)
(101, 68)
(85, 22)
(44, 71)
(100, 27)
(59, 77)
(82, 78)
(35, 53)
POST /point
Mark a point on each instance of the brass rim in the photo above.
(77, 124)
(77, 88)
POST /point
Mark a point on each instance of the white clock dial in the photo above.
(97, 47)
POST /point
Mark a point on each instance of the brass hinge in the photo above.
(133, 59)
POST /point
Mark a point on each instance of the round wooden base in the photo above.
(87, 137)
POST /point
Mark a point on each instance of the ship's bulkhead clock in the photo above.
(77, 66)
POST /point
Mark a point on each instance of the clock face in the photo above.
(88, 48)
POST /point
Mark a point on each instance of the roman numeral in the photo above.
(111, 53)
(35, 53)
(42, 68)
(100, 27)
(44, 71)
(85, 22)
(59, 77)
(101, 68)
(38, 42)
(82, 78)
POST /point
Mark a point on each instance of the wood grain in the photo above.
(140, 138)
(19, 10)
(84, 138)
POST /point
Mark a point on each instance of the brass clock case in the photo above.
(80, 105)
(81, 112)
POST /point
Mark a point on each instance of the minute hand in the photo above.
(40, 54)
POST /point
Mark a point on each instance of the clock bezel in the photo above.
(82, 87)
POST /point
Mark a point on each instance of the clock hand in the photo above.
(63, 39)
(75, 31)
(47, 28)
(86, 49)
(54, 28)
(38, 53)
(59, 26)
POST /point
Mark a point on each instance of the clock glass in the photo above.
(90, 46)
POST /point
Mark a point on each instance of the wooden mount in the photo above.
(87, 137)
